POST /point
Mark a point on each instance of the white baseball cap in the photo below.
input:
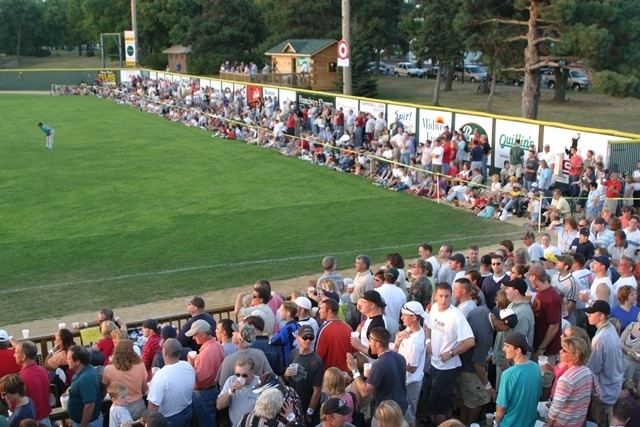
(4, 336)
(415, 308)
(303, 302)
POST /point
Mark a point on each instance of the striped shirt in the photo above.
(572, 397)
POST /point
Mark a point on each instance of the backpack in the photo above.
(357, 415)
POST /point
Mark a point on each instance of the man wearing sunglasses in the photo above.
(306, 378)
(237, 393)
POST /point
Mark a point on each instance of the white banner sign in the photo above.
(153, 75)
(269, 92)
(205, 83)
(240, 87)
(374, 108)
(405, 115)
(507, 131)
(125, 75)
(347, 104)
(216, 85)
(227, 88)
(432, 123)
(287, 95)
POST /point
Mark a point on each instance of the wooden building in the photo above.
(307, 63)
(177, 60)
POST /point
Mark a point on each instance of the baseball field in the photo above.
(130, 208)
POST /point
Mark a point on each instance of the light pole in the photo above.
(346, 36)
(134, 28)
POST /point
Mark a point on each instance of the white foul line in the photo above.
(233, 264)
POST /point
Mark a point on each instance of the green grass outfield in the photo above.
(131, 208)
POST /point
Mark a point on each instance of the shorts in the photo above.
(515, 170)
(442, 390)
(471, 390)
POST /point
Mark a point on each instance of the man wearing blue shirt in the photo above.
(49, 133)
(520, 385)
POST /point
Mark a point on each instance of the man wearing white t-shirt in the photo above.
(171, 388)
(393, 296)
(633, 234)
(425, 251)
(601, 288)
(584, 278)
(625, 268)
(437, 153)
(410, 343)
(449, 335)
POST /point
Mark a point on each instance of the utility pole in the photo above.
(134, 28)
(346, 36)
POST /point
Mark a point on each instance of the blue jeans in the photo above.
(45, 421)
(98, 422)
(204, 406)
(181, 419)
(484, 166)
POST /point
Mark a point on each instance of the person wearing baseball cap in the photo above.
(410, 343)
(582, 244)
(195, 307)
(520, 385)
(601, 287)
(306, 378)
(565, 283)
(306, 315)
(606, 360)
(372, 307)
(456, 264)
(206, 364)
(333, 411)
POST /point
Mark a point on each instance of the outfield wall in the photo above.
(41, 80)
(426, 121)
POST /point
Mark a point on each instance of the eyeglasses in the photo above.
(241, 375)
(496, 263)
(307, 338)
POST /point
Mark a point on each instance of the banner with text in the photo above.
(130, 48)
(270, 92)
(507, 131)
(432, 123)
(402, 114)
(315, 99)
(347, 104)
(374, 108)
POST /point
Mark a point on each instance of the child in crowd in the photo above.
(118, 413)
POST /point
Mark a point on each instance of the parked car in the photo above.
(576, 80)
(473, 73)
(431, 71)
(408, 69)
(383, 68)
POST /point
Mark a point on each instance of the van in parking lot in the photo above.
(408, 69)
(576, 80)
(472, 73)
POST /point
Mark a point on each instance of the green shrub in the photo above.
(614, 84)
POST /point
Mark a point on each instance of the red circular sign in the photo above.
(343, 49)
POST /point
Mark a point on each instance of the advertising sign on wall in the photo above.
(374, 108)
(405, 115)
(307, 98)
(227, 87)
(432, 123)
(239, 87)
(347, 104)
(205, 83)
(254, 93)
(216, 85)
(469, 123)
(507, 131)
(270, 92)
(107, 77)
(287, 95)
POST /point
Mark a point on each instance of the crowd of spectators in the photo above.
(541, 333)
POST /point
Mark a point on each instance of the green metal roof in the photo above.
(301, 46)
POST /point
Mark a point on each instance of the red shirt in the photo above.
(291, 122)
(8, 363)
(575, 165)
(340, 118)
(333, 344)
(208, 363)
(359, 122)
(446, 155)
(36, 380)
(614, 187)
(105, 345)
(151, 347)
(547, 309)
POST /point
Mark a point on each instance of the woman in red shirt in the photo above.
(105, 344)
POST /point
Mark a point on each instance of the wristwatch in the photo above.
(451, 354)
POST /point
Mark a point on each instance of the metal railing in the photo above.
(45, 342)
(298, 80)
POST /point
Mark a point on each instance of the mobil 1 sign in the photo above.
(507, 132)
